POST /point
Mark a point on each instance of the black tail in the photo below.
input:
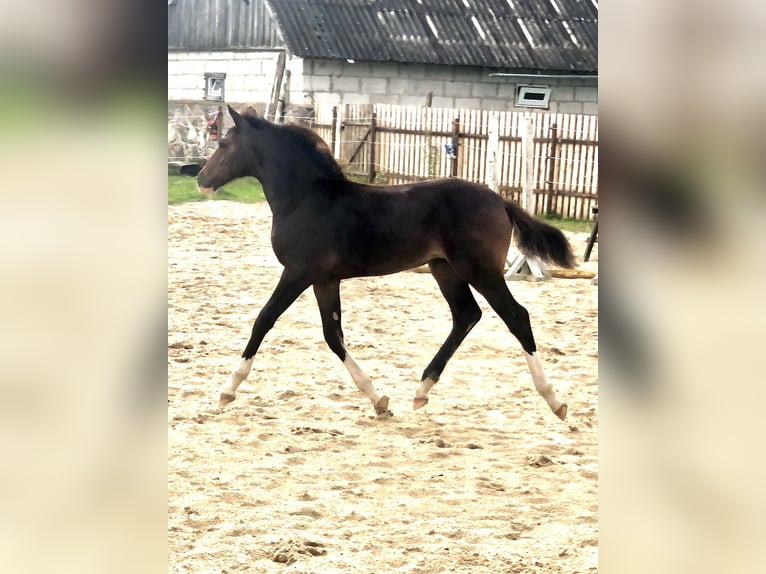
(538, 239)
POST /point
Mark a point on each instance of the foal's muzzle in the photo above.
(201, 184)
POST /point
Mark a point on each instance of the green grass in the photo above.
(182, 189)
(568, 224)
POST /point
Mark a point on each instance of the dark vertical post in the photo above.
(455, 145)
(219, 131)
(373, 132)
(219, 122)
(277, 87)
(593, 235)
(552, 148)
(333, 135)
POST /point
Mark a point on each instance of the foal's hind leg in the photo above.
(465, 314)
(328, 298)
(288, 289)
(492, 286)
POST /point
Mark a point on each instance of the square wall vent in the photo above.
(532, 96)
(214, 87)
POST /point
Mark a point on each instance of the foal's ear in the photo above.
(235, 116)
(250, 112)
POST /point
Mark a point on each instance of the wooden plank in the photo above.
(580, 168)
(572, 183)
(472, 167)
(384, 147)
(493, 144)
(565, 193)
(594, 178)
(580, 184)
(577, 183)
(409, 143)
(566, 158)
(517, 158)
(591, 173)
(551, 168)
(483, 145)
(357, 144)
(528, 177)
(372, 148)
(564, 149)
(419, 149)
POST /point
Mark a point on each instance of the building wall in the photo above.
(249, 74)
(188, 136)
(337, 82)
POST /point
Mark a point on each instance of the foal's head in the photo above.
(255, 147)
(232, 159)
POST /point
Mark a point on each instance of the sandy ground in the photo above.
(297, 475)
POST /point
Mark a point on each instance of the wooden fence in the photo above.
(547, 162)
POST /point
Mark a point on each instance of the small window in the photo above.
(214, 86)
(533, 96)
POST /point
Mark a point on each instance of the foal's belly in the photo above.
(388, 258)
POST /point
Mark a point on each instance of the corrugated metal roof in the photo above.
(559, 36)
(221, 25)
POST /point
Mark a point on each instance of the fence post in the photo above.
(522, 266)
(219, 123)
(373, 129)
(493, 143)
(528, 164)
(455, 145)
(552, 148)
(336, 130)
(333, 130)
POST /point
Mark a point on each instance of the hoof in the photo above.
(381, 407)
(561, 412)
(418, 402)
(226, 398)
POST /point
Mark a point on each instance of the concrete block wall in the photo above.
(249, 74)
(341, 82)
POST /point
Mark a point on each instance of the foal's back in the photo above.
(375, 230)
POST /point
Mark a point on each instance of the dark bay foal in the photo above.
(326, 228)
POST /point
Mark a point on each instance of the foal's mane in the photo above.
(316, 150)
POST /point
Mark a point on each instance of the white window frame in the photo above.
(214, 86)
(523, 91)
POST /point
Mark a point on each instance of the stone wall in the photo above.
(188, 137)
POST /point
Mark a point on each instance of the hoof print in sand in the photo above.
(290, 551)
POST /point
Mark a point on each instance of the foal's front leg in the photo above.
(288, 289)
(328, 298)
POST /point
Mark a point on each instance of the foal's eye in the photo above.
(224, 144)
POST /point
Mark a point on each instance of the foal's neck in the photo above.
(287, 179)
